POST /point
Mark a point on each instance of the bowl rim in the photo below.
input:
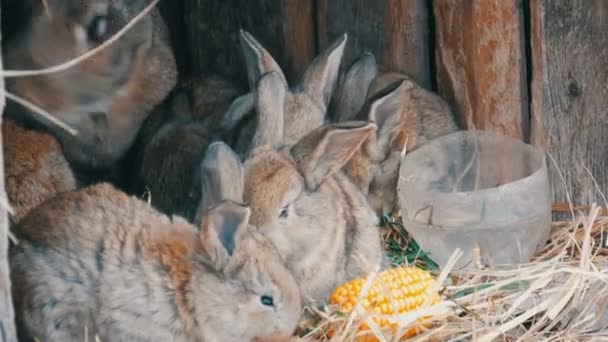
(541, 171)
(536, 151)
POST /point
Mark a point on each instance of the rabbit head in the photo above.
(407, 116)
(319, 221)
(211, 94)
(258, 298)
(162, 279)
(255, 257)
(105, 97)
(169, 162)
(221, 107)
(304, 105)
(35, 168)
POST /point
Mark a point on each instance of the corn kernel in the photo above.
(407, 290)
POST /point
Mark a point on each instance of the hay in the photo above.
(561, 295)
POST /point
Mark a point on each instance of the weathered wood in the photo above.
(570, 93)
(395, 31)
(284, 27)
(481, 67)
(7, 326)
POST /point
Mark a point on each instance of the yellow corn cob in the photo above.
(394, 291)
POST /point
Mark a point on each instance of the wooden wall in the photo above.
(569, 40)
(536, 70)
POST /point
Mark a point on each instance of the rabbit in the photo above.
(106, 97)
(168, 164)
(406, 115)
(98, 263)
(299, 199)
(34, 167)
(305, 105)
(219, 105)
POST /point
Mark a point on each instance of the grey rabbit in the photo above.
(98, 263)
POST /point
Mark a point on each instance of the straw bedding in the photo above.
(561, 295)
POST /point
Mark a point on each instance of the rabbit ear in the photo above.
(354, 85)
(222, 177)
(320, 78)
(240, 107)
(385, 108)
(271, 92)
(220, 227)
(257, 59)
(325, 150)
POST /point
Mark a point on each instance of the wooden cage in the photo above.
(536, 70)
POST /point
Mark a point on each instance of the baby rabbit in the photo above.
(35, 168)
(305, 105)
(96, 262)
(105, 98)
(406, 114)
(168, 162)
(318, 219)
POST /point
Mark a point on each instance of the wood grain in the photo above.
(570, 94)
(284, 27)
(481, 67)
(395, 31)
(7, 325)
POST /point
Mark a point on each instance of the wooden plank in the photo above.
(481, 67)
(570, 94)
(284, 27)
(7, 325)
(395, 31)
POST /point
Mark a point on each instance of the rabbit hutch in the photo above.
(533, 70)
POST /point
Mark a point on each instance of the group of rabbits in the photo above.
(262, 200)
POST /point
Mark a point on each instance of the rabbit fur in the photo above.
(99, 259)
(106, 97)
(406, 115)
(173, 142)
(318, 219)
(34, 167)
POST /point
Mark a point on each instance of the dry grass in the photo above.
(561, 295)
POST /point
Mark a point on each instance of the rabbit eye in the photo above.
(284, 212)
(267, 300)
(98, 28)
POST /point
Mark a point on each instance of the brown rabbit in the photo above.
(168, 164)
(34, 167)
(305, 105)
(96, 262)
(105, 98)
(299, 198)
(219, 105)
(406, 114)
